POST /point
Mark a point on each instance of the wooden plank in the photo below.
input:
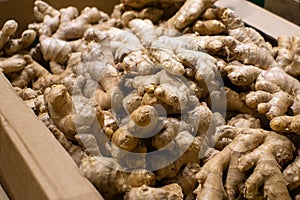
(260, 18)
(3, 195)
(289, 9)
(33, 165)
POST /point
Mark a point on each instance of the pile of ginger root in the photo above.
(163, 99)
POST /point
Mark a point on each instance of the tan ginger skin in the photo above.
(8, 29)
(12, 64)
(16, 45)
(59, 104)
(249, 148)
(9, 45)
(209, 27)
(110, 179)
(292, 173)
(147, 75)
(168, 192)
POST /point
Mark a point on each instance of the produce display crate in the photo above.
(3, 195)
(289, 9)
(33, 165)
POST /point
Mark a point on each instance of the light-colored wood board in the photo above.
(261, 19)
(288, 9)
(3, 195)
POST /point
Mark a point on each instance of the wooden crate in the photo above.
(289, 9)
(3, 195)
(34, 166)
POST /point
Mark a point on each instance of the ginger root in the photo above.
(189, 12)
(59, 104)
(266, 151)
(244, 121)
(32, 98)
(58, 50)
(272, 97)
(152, 13)
(168, 192)
(35, 74)
(143, 123)
(41, 9)
(284, 53)
(292, 173)
(286, 124)
(273, 105)
(209, 27)
(138, 98)
(74, 28)
(12, 64)
(128, 49)
(8, 29)
(186, 179)
(111, 179)
(288, 54)
(10, 46)
(16, 45)
(65, 24)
